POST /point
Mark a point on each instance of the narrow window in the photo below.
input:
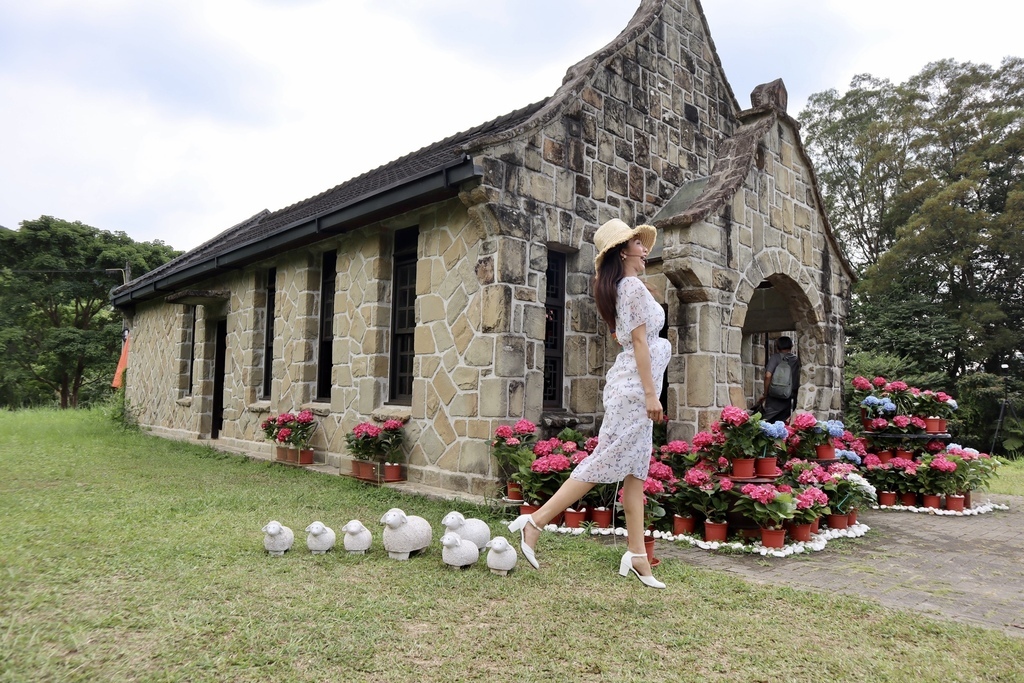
(190, 311)
(269, 332)
(403, 316)
(325, 358)
(554, 330)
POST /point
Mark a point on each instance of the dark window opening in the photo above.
(663, 333)
(325, 356)
(554, 330)
(270, 330)
(403, 316)
(191, 311)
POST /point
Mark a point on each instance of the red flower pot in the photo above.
(907, 455)
(884, 456)
(909, 499)
(715, 531)
(955, 503)
(602, 518)
(800, 533)
(816, 525)
(292, 456)
(825, 451)
(281, 453)
(393, 472)
(574, 518)
(513, 490)
(933, 425)
(683, 525)
(649, 548)
(929, 500)
(305, 456)
(766, 467)
(852, 517)
(886, 497)
(967, 499)
(838, 521)
(773, 538)
(743, 468)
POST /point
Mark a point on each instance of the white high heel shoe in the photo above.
(519, 524)
(626, 566)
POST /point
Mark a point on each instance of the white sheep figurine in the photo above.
(501, 556)
(278, 538)
(357, 537)
(458, 552)
(404, 534)
(471, 529)
(320, 538)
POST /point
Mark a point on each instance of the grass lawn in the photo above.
(129, 558)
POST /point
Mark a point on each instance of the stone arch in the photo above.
(776, 295)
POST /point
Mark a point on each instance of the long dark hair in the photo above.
(606, 282)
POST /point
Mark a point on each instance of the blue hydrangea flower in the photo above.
(952, 404)
(835, 428)
(870, 402)
(888, 406)
(849, 456)
(774, 430)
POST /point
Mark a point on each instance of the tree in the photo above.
(59, 333)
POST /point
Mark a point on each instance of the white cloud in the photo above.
(175, 120)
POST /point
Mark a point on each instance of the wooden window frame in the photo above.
(325, 343)
(403, 316)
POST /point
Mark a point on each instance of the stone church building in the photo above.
(452, 286)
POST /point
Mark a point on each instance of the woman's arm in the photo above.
(642, 352)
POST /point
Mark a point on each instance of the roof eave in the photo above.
(434, 185)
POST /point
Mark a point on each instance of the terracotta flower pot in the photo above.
(743, 468)
(766, 467)
(909, 499)
(967, 499)
(602, 519)
(773, 538)
(513, 490)
(305, 456)
(942, 426)
(929, 500)
(884, 456)
(574, 518)
(800, 533)
(933, 425)
(852, 517)
(816, 525)
(715, 531)
(683, 525)
(838, 521)
(649, 548)
(955, 503)
(281, 453)
(825, 451)
(293, 455)
(528, 509)
(906, 455)
(886, 497)
(393, 472)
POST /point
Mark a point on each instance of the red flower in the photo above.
(503, 432)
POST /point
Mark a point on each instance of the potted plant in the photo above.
(936, 476)
(738, 439)
(512, 447)
(377, 450)
(821, 436)
(270, 427)
(882, 477)
(297, 430)
(768, 507)
(811, 503)
(713, 498)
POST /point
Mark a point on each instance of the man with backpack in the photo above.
(781, 381)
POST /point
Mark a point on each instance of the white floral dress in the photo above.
(625, 439)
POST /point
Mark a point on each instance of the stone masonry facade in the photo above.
(646, 130)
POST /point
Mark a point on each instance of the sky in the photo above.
(173, 120)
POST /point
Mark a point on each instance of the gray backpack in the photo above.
(782, 379)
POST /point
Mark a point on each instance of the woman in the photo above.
(631, 394)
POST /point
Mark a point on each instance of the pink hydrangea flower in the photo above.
(525, 427)
(696, 477)
(569, 447)
(512, 441)
(503, 432)
(901, 421)
(392, 425)
(879, 382)
(725, 484)
(861, 383)
(676, 448)
(803, 421)
(551, 463)
(701, 440)
(590, 444)
(735, 416)
(305, 417)
(283, 435)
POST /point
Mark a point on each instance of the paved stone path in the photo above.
(969, 569)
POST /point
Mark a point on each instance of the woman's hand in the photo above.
(654, 410)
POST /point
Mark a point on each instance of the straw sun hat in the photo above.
(615, 232)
